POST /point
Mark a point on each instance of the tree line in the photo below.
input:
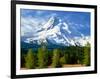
(45, 58)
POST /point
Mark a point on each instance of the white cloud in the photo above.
(31, 24)
(39, 12)
(54, 14)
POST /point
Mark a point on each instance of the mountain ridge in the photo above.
(58, 32)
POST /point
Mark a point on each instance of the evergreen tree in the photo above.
(30, 59)
(86, 60)
(63, 59)
(80, 55)
(42, 57)
(56, 58)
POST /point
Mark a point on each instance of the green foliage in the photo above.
(50, 54)
(63, 60)
(79, 55)
(30, 60)
(86, 60)
(42, 57)
(71, 54)
(86, 56)
(56, 58)
(88, 44)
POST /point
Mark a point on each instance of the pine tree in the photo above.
(56, 58)
(64, 59)
(42, 58)
(30, 59)
(80, 55)
(86, 60)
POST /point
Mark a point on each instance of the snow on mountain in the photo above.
(66, 27)
(82, 41)
(58, 32)
(49, 24)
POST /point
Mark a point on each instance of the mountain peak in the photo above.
(57, 32)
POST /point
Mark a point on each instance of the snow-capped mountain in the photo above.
(57, 32)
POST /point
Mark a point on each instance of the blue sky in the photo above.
(73, 16)
(35, 18)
